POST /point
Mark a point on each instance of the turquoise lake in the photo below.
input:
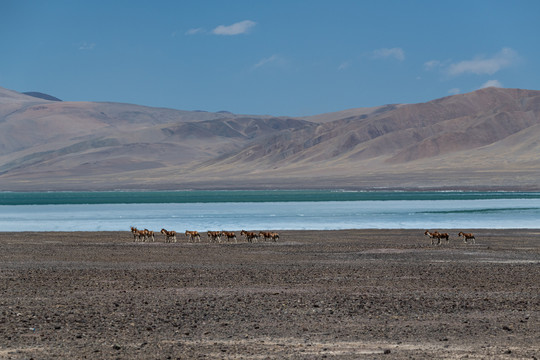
(264, 210)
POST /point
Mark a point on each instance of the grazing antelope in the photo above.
(193, 235)
(250, 236)
(214, 235)
(170, 235)
(433, 235)
(467, 236)
(230, 235)
(275, 236)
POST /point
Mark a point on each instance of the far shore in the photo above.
(136, 188)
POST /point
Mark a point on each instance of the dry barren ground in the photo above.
(373, 294)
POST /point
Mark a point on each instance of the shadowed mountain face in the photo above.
(488, 139)
(42, 95)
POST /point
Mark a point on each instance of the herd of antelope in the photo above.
(251, 236)
(437, 237)
(212, 236)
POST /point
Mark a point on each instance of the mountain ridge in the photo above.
(483, 139)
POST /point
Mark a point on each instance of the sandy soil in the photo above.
(313, 294)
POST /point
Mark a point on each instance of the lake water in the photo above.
(266, 210)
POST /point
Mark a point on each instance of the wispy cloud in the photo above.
(454, 91)
(274, 59)
(86, 46)
(238, 28)
(396, 53)
(344, 65)
(194, 31)
(484, 66)
(432, 65)
(491, 83)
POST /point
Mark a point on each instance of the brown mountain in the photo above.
(487, 139)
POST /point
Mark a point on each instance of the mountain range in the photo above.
(488, 139)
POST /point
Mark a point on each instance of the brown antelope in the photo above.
(269, 235)
(141, 235)
(433, 235)
(169, 235)
(214, 235)
(148, 234)
(467, 236)
(193, 235)
(443, 236)
(250, 236)
(230, 235)
(135, 233)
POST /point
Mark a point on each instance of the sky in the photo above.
(282, 58)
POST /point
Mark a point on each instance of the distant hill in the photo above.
(42, 96)
(487, 139)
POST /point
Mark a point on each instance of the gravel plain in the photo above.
(351, 294)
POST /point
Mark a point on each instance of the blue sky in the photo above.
(267, 57)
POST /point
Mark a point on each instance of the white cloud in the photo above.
(396, 53)
(87, 46)
(481, 65)
(194, 31)
(454, 91)
(491, 83)
(274, 59)
(344, 65)
(432, 64)
(238, 28)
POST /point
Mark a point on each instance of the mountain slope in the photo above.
(414, 132)
(41, 95)
(485, 139)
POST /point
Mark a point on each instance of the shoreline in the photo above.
(161, 238)
(482, 188)
(360, 230)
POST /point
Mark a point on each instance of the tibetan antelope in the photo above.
(467, 236)
(135, 233)
(148, 234)
(230, 235)
(250, 236)
(269, 235)
(193, 235)
(214, 236)
(443, 236)
(432, 236)
(140, 235)
(169, 235)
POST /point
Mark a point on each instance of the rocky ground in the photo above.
(376, 294)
